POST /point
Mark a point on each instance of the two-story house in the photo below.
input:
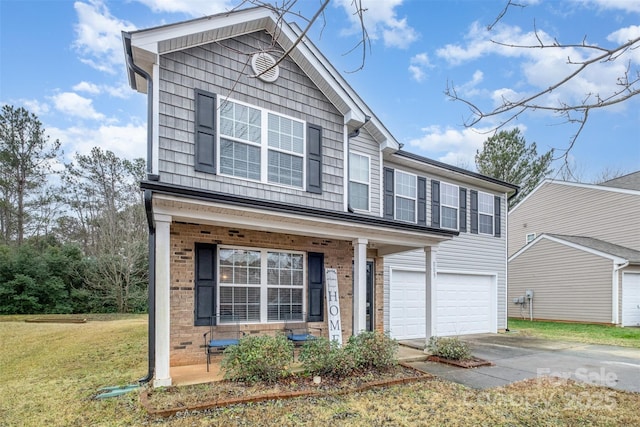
(265, 168)
(576, 248)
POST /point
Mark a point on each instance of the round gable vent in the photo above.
(263, 67)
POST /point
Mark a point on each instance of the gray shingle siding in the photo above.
(221, 69)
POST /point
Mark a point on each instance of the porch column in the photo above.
(430, 253)
(162, 376)
(359, 285)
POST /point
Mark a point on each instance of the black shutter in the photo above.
(474, 211)
(315, 292)
(496, 218)
(422, 200)
(205, 131)
(435, 203)
(388, 193)
(463, 209)
(205, 284)
(314, 159)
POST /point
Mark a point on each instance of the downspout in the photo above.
(615, 306)
(506, 272)
(148, 204)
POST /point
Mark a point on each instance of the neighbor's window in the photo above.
(485, 213)
(405, 184)
(449, 203)
(259, 285)
(243, 132)
(359, 181)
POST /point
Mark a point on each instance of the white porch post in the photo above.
(162, 373)
(430, 253)
(359, 285)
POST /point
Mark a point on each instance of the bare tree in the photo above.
(627, 85)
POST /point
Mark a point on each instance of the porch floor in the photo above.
(197, 374)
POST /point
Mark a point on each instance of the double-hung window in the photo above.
(250, 135)
(260, 285)
(449, 204)
(359, 181)
(405, 196)
(485, 213)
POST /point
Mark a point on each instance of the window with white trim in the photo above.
(359, 166)
(449, 205)
(485, 213)
(260, 285)
(405, 185)
(243, 132)
(530, 237)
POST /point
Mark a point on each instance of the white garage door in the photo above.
(631, 299)
(464, 304)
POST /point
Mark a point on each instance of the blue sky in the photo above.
(63, 61)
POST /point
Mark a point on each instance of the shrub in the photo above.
(258, 358)
(323, 357)
(373, 350)
(449, 348)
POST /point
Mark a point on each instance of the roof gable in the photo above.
(595, 188)
(146, 45)
(618, 254)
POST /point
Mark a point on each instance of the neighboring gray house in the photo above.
(262, 175)
(577, 247)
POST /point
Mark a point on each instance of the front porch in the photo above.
(197, 374)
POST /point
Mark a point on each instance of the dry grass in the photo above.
(50, 372)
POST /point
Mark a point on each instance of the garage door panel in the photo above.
(631, 299)
(463, 304)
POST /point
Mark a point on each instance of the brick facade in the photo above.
(187, 340)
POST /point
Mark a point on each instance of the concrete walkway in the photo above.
(517, 357)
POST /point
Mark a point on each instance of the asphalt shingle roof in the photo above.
(629, 254)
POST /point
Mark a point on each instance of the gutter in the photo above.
(148, 204)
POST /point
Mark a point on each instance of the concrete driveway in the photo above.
(517, 357)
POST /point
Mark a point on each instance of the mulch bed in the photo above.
(173, 400)
(474, 362)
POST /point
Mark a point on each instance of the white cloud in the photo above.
(87, 87)
(380, 21)
(194, 8)
(625, 5)
(121, 90)
(34, 106)
(98, 36)
(418, 64)
(72, 104)
(453, 146)
(127, 142)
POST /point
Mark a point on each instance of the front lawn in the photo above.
(591, 334)
(50, 372)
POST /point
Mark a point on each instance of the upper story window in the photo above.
(243, 130)
(449, 204)
(405, 196)
(530, 237)
(359, 178)
(485, 213)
